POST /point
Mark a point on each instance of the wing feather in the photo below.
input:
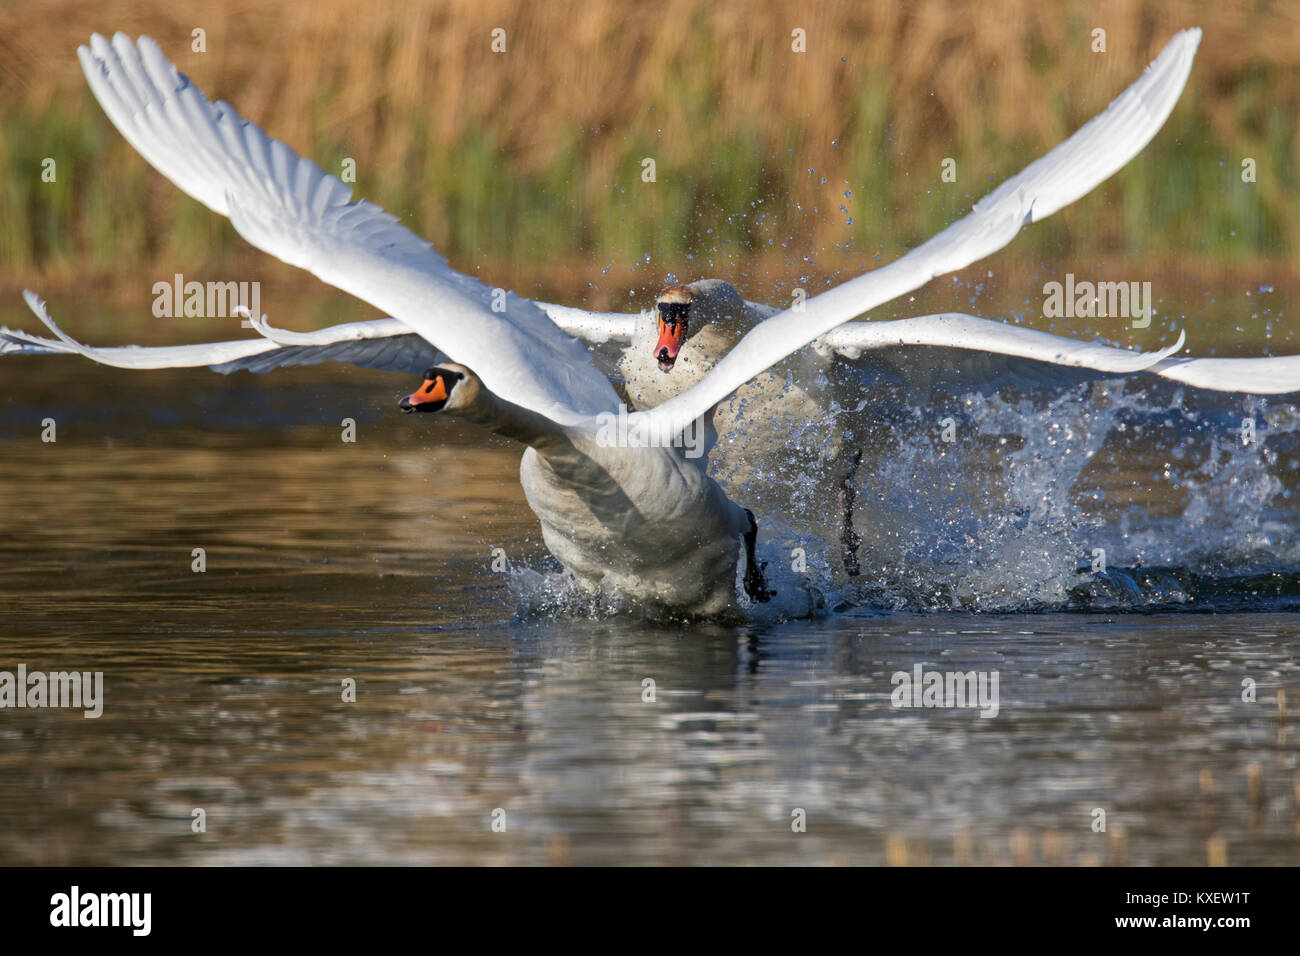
(954, 330)
(1091, 155)
(594, 327)
(1000, 352)
(289, 207)
(383, 344)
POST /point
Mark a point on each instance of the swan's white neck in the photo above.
(472, 402)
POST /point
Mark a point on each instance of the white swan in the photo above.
(1000, 347)
(693, 326)
(637, 514)
(792, 406)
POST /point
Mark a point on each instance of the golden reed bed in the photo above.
(531, 160)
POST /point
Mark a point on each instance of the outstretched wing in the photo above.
(1279, 375)
(959, 352)
(391, 347)
(965, 351)
(594, 327)
(287, 206)
(1091, 155)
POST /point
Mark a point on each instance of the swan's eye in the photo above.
(440, 380)
(671, 314)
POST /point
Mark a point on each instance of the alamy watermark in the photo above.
(75, 908)
(204, 300)
(620, 430)
(82, 689)
(1087, 300)
(922, 688)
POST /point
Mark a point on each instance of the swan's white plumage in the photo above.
(346, 332)
(1279, 375)
(853, 341)
(594, 327)
(391, 344)
(1256, 376)
(954, 330)
(384, 344)
(289, 207)
(1095, 152)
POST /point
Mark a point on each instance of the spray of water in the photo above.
(1106, 497)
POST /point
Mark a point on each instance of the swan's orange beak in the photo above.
(429, 397)
(672, 334)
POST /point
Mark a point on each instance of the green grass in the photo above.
(726, 194)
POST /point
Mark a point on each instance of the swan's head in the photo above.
(686, 309)
(440, 383)
(674, 308)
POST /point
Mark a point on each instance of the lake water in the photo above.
(489, 696)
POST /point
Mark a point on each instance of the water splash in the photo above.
(1105, 497)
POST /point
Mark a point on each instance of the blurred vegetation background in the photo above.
(777, 165)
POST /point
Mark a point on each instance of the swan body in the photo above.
(645, 523)
(642, 517)
(773, 431)
(652, 526)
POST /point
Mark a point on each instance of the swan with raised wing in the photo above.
(639, 515)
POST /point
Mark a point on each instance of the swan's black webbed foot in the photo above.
(755, 583)
(849, 538)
